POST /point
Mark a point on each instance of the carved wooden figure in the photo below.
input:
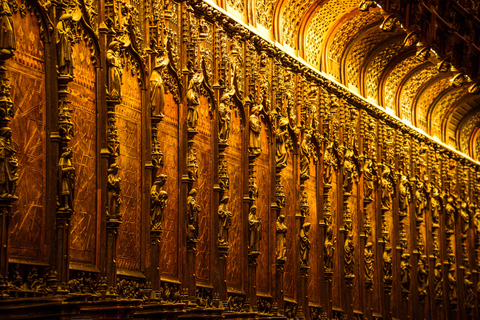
(254, 229)
(114, 71)
(8, 164)
(64, 38)
(369, 260)
(158, 202)
(8, 43)
(157, 87)
(329, 249)
(193, 209)
(281, 246)
(254, 145)
(282, 139)
(113, 193)
(225, 218)
(224, 116)
(193, 100)
(304, 244)
(305, 151)
(66, 179)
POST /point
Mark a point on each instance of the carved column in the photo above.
(9, 159)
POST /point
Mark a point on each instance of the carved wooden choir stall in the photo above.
(240, 159)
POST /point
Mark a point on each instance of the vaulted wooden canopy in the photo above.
(419, 62)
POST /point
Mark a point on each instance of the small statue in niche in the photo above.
(225, 221)
(224, 117)
(114, 78)
(157, 87)
(113, 193)
(304, 244)
(369, 259)
(254, 229)
(349, 255)
(64, 39)
(193, 209)
(350, 173)
(465, 218)
(281, 228)
(470, 294)
(420, 201)
(387, 188)
(452, 285)
(8, 43)
(404, 194)
(66, 179)
(368, 178)
(422, 271)
(387, 265)
(8, 164)
(252, 186)
(435, 205)
(282, 139)
(158, 202)
(329, 249)
(438, 281)
(254, 146)
(450, 214)
(328, 163)
(305, 151)
(405, 273)
(193, 100)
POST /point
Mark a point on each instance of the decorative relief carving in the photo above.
(158, 202)
(264, 10)
(425, 101)
(238, 5)
(439, 110)
(293, 12)
(193, 209)
(328, 13)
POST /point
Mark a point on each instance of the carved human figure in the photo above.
(349, 172)
(113, 192)
(387, 188)
(438, 281)
(305, 151)
(368, 178)
(420, 201)
(404, 194)
(329, 249)
(225, 221)
(328, 163)
(193, 209)
(157, 87)
(66, 179)
(405, 272)
(158, 202)
(465, 218)
(369, 260)
(64, 39)
(422, 271)
(281, 247)
(254, 146)
(452, 285)
(387, 265)
(114, 70)
(450, 214)
(8, 43)
(281, 155)
(224, 117)
(193, 100)
(349, 255)
(470, 294)
(304, 244)
(8, 164)
(435, 203)
(254, 229)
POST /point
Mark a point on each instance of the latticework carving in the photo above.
(377, 66)
(426, 99)
(292, 15)
(237, 5)
(395, 77)
(466, 132)
(348, 30)
(264, 12)
(439, 110)
(411, 88)
(327, 14)
(360, 50)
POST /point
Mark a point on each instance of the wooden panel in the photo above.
(130, 133)
(314, 272)
(236, 265)
(27, 78)
(204, 187)
(267, 246)
(168, 135)
(292, 234)
(83, 223)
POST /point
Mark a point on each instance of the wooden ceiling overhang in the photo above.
(419, 61)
